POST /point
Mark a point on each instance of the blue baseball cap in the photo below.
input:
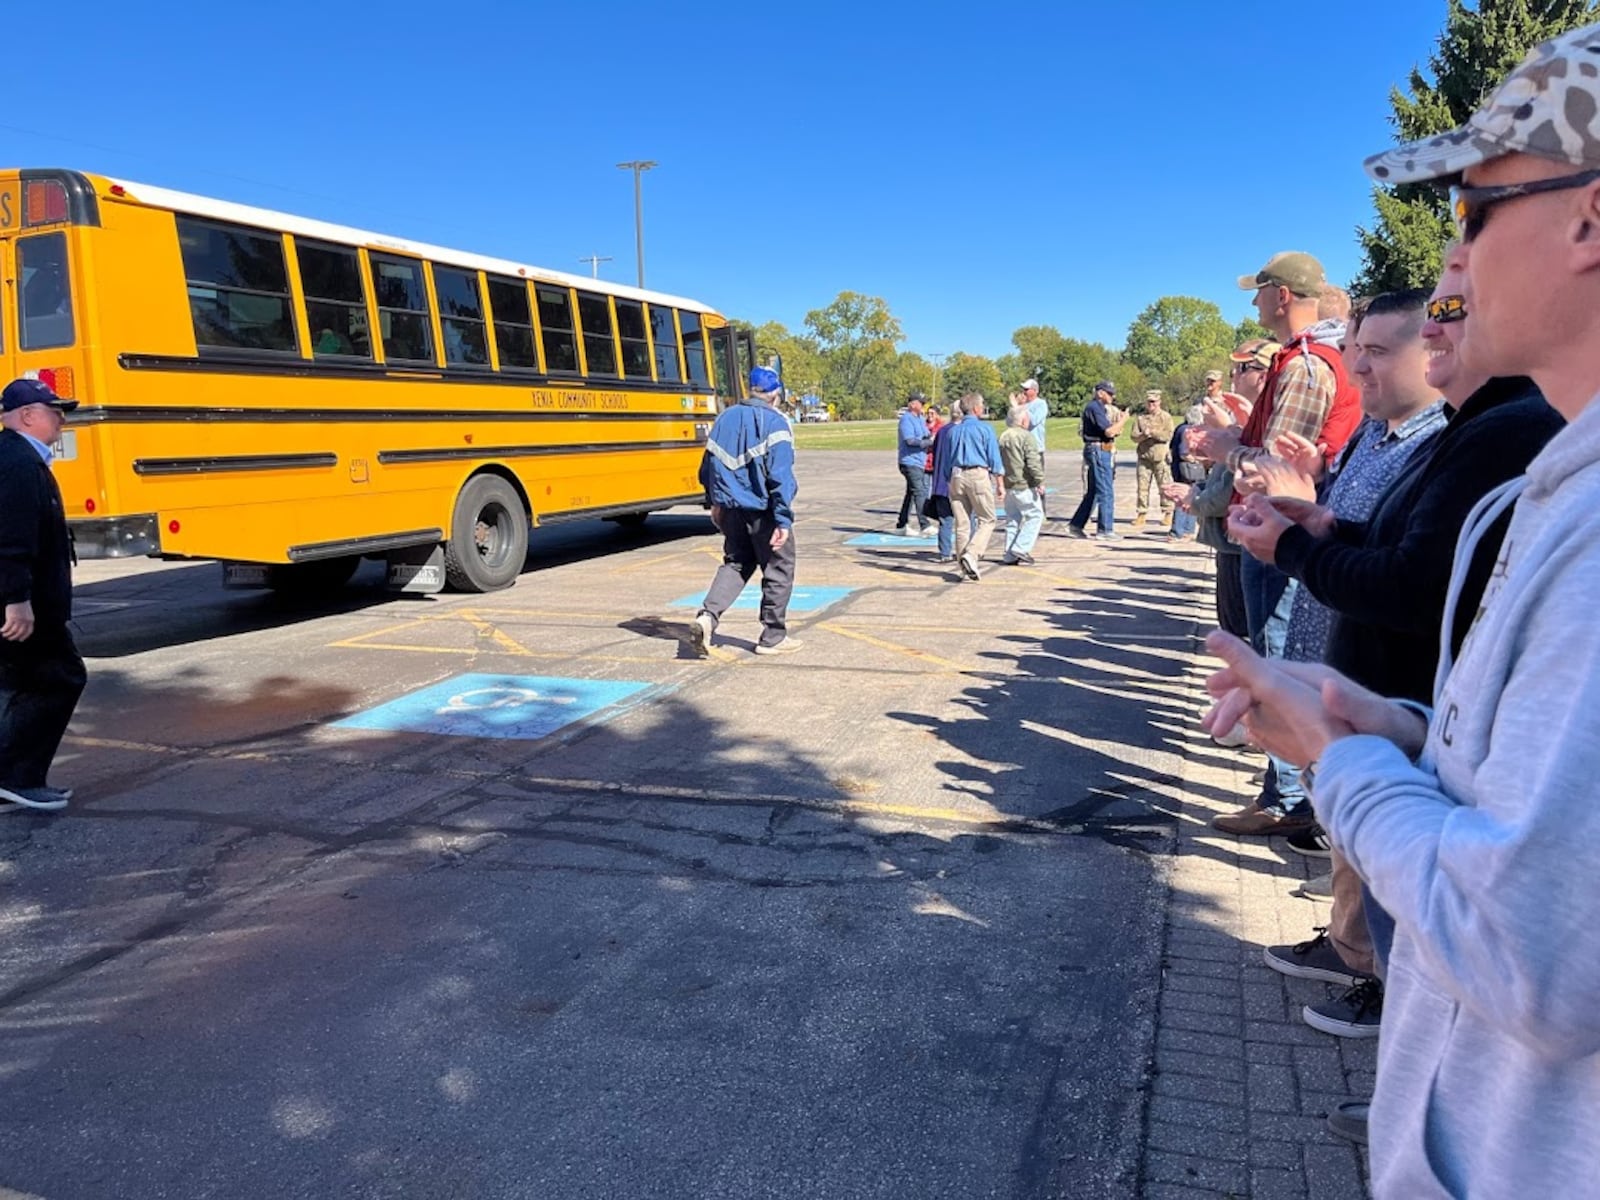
(20, 393)
(1105, 385)
(763, 379)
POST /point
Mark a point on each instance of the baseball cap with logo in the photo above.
(1293, 269)
(1258, 353)
(20, 393)
(1548, 107)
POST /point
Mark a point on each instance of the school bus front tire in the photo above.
(488, 544)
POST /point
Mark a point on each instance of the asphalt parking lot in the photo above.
(515, 896)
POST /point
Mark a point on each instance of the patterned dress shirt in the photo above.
(1366, 472)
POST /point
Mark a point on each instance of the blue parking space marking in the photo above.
(890, 539)
(804, 599)
(523, 707)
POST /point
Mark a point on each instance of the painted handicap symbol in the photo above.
(524, 707)
(502, 698)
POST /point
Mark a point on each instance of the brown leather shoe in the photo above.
(1252, 821)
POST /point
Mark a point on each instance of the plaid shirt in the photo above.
(1300, 404)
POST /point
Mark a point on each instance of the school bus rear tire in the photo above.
(488, 543)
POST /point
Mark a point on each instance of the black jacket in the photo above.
(1385, 578)
(35, 548)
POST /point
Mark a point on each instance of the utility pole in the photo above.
(938, 370)
(638, 167)
(594, 261)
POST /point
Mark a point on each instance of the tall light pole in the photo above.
(938, 370)
(638, 167)
(594, 261)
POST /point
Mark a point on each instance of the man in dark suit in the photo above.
(41, 672)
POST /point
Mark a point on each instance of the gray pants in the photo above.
(746, 545)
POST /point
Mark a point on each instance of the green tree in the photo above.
(857, 336)
(1037, 346)
(803, 365)
(965, 373)
(1174, 334)
(1249, 329)
(1404, 245)
(1067, 377)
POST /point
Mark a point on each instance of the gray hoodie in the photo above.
(1487, 853)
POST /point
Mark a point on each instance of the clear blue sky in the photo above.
(979, 166)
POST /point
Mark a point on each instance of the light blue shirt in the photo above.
(44, 451)
(1038, 413)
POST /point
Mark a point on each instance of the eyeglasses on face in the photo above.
(1471, 205)
(1245, 368)
(1447, 309)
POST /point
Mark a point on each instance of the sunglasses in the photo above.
(1471, 205)
(1246, 368)
(1447, 310)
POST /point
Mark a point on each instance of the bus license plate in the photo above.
(66, 448)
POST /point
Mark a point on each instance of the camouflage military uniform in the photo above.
(1152, 437)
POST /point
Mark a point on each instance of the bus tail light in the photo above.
(59, 380)
(88, 505)
(44, 202)
(173, 527)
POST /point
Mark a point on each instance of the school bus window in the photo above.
(238, 287)
(727, 369)
(336, 305)
(44, 306)
(555, 321)
(402, 309)
(635, 345)
(461, 316)
(694, 348)
(599, 347)
(513, 323)
(666, 339)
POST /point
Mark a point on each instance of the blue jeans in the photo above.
(1183, 523)
(916, 495)
(1024, 515)
(1285, 792)
(1263, 587)
(1100, 464)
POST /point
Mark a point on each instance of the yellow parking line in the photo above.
(908, 651)
(495, 634)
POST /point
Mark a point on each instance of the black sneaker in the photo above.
(1349, 1120)
(1355, 1014)
(1311, 842)
(1314, 959)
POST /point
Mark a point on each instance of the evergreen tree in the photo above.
(1477, 49)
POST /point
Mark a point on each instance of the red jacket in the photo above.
(1343, 415)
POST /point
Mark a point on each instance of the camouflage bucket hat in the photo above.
(1548, 107)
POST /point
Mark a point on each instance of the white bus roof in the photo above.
(243, 214)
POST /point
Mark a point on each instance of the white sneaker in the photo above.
(928, 531)
(1234, 737)
(788, 646)
(703, 627)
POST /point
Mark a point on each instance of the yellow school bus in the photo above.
(291, 396)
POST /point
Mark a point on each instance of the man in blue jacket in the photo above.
(748, 474)
(914, 441)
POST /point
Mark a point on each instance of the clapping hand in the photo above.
(1179, 493)
(1301, 454)
(1267, 475)
(1294, 710)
